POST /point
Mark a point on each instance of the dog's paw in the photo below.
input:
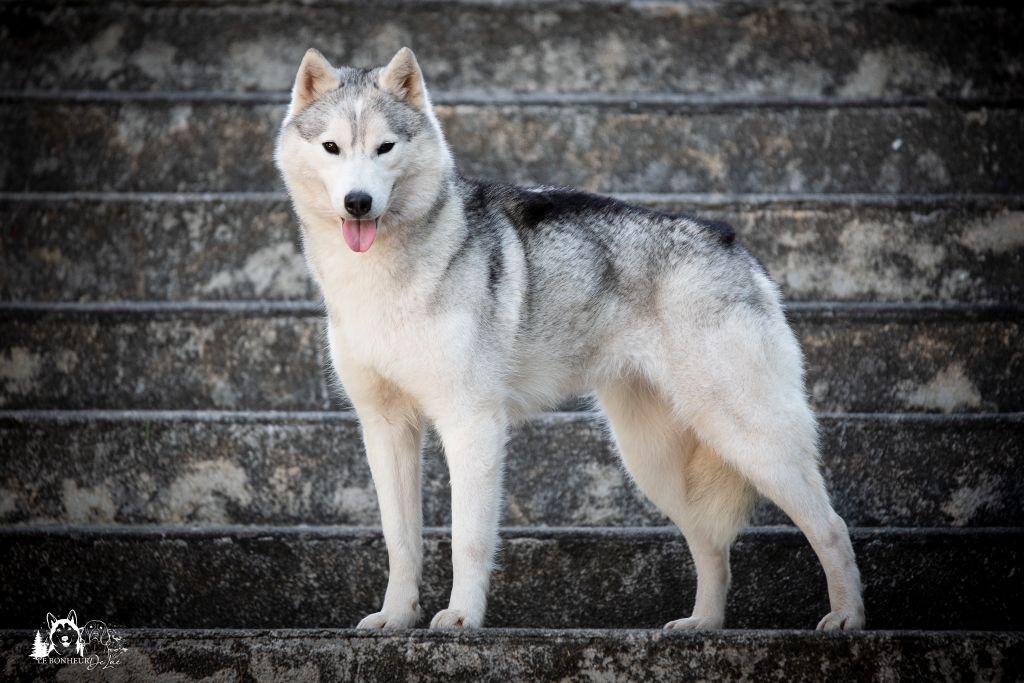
(694, 624)
(453, 618)
(389, 620)
(842, 620)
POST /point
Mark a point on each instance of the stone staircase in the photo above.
(175, 462)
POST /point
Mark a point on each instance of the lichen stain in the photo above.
(88, 505)
(203, 493)
(601, 486)
(968, 499)
(869, 265)
(293, 493)
(19, 369)
(277, 270)
(358, 504)
(8, 502)
(892, 70)
(948, 391)
(999, 234)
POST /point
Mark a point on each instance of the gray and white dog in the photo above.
(471, 305)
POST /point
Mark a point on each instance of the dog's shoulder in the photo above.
(533, 209)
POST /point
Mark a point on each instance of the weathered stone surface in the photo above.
(206, 358)
(560, 578)
(267, 356)
(540, 655)
(858, 49)
(151, 249)
(217, 247)
(309, 468)
(209, 145)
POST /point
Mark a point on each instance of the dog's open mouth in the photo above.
(359, 234)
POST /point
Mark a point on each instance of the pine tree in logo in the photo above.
(39, 648)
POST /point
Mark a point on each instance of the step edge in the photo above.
(162, 532)
(277, 417)
(458, 98)
(801, 310)
(532, 633)
(698, 199)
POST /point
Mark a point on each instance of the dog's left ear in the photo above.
(403, 79)
(73, 618)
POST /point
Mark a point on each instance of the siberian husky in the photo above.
(470, 305)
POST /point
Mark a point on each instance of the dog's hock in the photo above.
(403, 78)
(316, 77)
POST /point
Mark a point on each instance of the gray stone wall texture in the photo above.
(176, 458)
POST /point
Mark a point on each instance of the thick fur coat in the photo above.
(470, 305)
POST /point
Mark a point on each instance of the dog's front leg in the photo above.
(393, 450)
(475, 449)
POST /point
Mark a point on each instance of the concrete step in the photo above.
(268, 577)
(207, 469)
(265, 355)
(222, 144)
(109, 247)
(530, 655)
(851, 49)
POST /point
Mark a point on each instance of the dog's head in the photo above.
(64, 633)
(360, 149)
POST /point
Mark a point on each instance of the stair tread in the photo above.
(268, 355)
(219, 246)
(634, 577)
(935, 148)
(750, 48)
(539, 654)
(310, 468)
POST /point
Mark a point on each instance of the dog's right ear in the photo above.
(50, 621)
(315, 78)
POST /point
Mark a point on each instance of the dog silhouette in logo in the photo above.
(95, 637)
(102, 642)
(65, 636)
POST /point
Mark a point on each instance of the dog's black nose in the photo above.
(358, 203)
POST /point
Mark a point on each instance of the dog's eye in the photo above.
(331, 147)
(385, 148)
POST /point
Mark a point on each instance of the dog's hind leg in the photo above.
(782, 464)
(750, 408)
(689, 483)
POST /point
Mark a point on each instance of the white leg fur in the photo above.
(474, 447)
(703, 496)
(392, 432)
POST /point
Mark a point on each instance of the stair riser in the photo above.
(216, 250)
(562, 471)
(531, 656)
(282, 579)
(867, 49)
(211, 146)
(230, 360)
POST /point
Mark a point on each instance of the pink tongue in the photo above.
(359, 234)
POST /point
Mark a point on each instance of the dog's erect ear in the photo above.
(403, 79)
(50, 621)
(73, 618)
(315, 78)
